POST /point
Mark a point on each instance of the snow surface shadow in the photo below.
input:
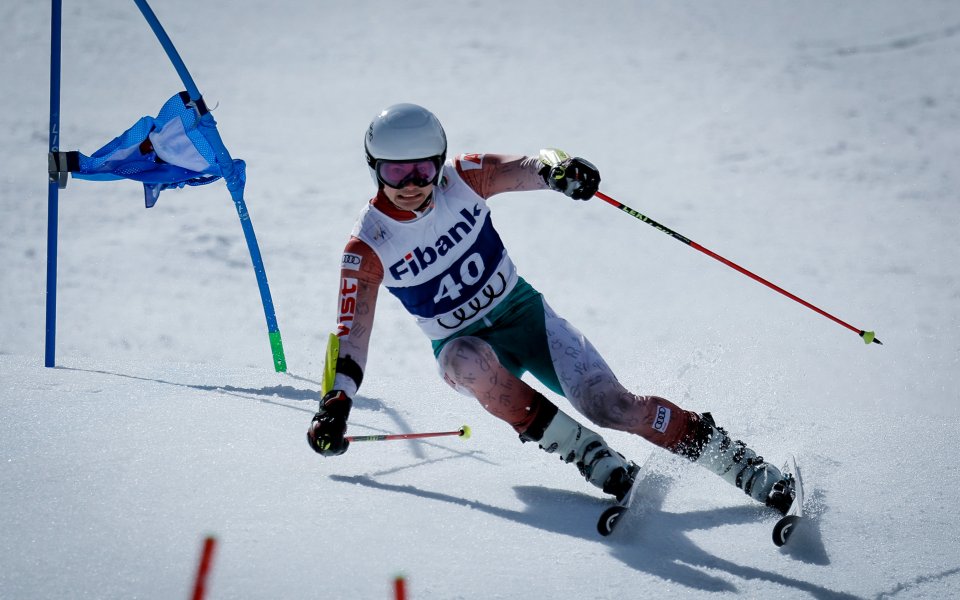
(918, 581)
(901, 43)
(650, 540)
(454, 454)
(557, 511)
(806, 542)
(285, 392)
(654, 541)
(275, 394)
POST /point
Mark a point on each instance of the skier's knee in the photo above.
(470, 366)
(465, 361)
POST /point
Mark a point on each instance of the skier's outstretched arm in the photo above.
(360, 276)
(491, 174)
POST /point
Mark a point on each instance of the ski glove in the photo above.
(576, 177)
(329, 424)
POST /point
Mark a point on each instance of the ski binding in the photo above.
(611, 516)
(788, 523)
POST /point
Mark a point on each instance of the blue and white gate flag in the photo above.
(169, 151)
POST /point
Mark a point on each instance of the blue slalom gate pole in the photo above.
(208, 126)
(53, 188)
(169, 48)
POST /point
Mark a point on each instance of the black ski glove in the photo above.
(326, 431)
(576, 177)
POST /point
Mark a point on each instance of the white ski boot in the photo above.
(738, 464)
(557, 433)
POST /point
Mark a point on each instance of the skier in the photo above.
(428, 237)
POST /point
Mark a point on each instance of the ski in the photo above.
(787, 524)
(611, 516)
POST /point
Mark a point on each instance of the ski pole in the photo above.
(200, 586)
(868, 336)
(463, 432)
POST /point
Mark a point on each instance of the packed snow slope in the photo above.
(814, 143)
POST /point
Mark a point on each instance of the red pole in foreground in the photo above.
(867, 336)
(400, 588)
(199, 588)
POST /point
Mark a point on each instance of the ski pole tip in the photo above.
(465, 432)
(870, 337)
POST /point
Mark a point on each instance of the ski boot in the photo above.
(621, 480)
(711, 448)
(557, 433)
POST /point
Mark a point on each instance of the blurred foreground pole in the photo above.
(400, 587)
(200, 587)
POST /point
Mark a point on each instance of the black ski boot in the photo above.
(621, 480)
(782, 494)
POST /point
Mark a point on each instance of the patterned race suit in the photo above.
(448, 267)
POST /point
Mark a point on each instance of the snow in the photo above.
(814, 143)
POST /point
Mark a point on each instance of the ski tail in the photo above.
(786, 525)
(611, 516)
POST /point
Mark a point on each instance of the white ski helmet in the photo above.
(405, 132)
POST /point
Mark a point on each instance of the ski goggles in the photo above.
(397, 174)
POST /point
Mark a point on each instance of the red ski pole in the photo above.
(868, 336)
(200, 585)
(463, 432)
